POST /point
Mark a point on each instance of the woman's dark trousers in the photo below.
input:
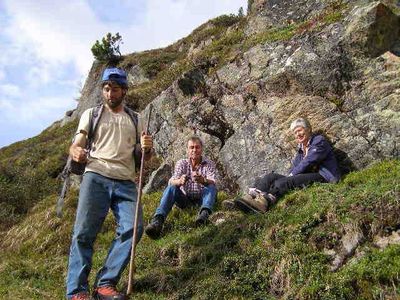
(278, 185)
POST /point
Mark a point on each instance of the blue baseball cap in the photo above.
(115, 74)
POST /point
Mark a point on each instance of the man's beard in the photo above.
(114, 103)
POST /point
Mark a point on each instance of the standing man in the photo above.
(193, 183)
(108, 183)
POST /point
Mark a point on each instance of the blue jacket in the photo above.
(320, 158)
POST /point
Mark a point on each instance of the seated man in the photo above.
(193, 183)
(314, 162)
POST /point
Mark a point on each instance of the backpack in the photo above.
(73, 167)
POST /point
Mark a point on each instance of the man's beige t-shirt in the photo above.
(111, 154)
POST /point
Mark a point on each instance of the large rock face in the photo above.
(344, 78)
(351, 96)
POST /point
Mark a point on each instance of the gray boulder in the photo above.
(158, 179)
(371, 30)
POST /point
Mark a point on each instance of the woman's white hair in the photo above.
(303, 122)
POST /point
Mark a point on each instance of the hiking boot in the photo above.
(254, 192)
(247, 203)
(153, 230)
(271, 198)
(202, 217)
(81, 296)
(229, 205)
(108, 292)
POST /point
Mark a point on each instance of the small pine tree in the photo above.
(108, 49)
(240, 12)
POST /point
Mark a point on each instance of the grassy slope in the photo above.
(278, 255)
(28, 171)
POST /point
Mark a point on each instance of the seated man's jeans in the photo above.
(97, 195)
(174, 195)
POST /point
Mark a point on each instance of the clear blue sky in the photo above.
(45, 49)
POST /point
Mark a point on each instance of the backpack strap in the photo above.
(135, 118)
(94, 118)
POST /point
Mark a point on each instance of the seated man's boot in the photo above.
(202, 217)
(153, 230)
(258, 204)
(108, 293)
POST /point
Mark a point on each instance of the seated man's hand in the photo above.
(182, 180)
(197, 177)
(146, 142)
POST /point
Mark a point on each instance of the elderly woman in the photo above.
(314, 162)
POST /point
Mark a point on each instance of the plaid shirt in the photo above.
(193, 189)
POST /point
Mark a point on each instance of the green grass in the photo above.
(276, 255)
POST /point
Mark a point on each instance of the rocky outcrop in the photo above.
(371, 30)
(158, 179)
(245, 109)
(91, 94)
(274, 13)
(343, 76)
(349, 243)
(136, 75)
(384, 241)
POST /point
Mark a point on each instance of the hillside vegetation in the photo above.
(286, 253)
(29, 170)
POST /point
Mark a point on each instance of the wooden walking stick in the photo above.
(133, 250)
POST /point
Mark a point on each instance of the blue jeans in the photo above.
(174, 195)
(97, 195)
